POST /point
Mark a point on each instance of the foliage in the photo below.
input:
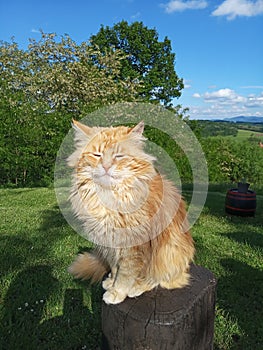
(251, 136)
(62, 75)
(195, 126)
(231, 160)
(148, 59)
(209, 128)
(232, 153)
(257, 127)
(55, 79)
(174, 151)
(42, 88)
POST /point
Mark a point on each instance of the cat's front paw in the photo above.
(133, 293)
(107, 283)
(113, 296)
(140, 288)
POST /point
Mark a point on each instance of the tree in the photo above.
(41, 89)
(148, 59)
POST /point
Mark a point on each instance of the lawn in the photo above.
(246, 134)
(41, 307)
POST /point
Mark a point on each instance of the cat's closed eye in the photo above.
(119, 156)
(96, 155)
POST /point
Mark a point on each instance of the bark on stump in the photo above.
(178, 319)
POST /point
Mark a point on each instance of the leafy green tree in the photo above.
(148, 59)
(231, 160)
(210, 128)
(75, 77)
(41, 89)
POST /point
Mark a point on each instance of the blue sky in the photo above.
(218, 44)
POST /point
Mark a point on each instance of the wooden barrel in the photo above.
(241, 204)
(178, 319)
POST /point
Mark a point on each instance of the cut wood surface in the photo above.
(178, 319)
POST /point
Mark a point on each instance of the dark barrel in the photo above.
(241, 204)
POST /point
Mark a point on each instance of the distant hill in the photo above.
(231, 127)
(242, 119)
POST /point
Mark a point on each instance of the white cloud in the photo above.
(222, 93)
(252, 87)
(181, 5)
(224, 96)
(220, 112)
(254, 101)
(33, 30)
(212, 87)
(228, 96)
(187, 84)
(226, 103)
(229, 8)
(136, 15)
(233, 8)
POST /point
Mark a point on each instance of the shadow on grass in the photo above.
(52, 218)
(240, 293)
(25, 307)
(253, 238)
(38, 311)
(12, 255)
(240, 286)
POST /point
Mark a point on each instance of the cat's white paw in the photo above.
(135, 292)
(107, 283)
(112, 296)
(139, 289)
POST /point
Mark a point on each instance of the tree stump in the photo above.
(178, 319)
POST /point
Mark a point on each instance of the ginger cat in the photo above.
(135, 216)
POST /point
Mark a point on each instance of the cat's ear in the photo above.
(139, 128)
(82, 135)
(81, 127)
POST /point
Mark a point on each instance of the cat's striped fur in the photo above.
(135, 216)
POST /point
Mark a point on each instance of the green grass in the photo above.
(243, 135)
(246, 134)
(41, 307)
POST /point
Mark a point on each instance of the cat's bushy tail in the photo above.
(88, 266)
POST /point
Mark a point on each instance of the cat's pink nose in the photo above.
(106, 167)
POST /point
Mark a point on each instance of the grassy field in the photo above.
(41, 307)
(246, 134)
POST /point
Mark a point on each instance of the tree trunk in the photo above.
(178, 319)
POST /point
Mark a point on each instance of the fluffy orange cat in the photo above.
(135, 216)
